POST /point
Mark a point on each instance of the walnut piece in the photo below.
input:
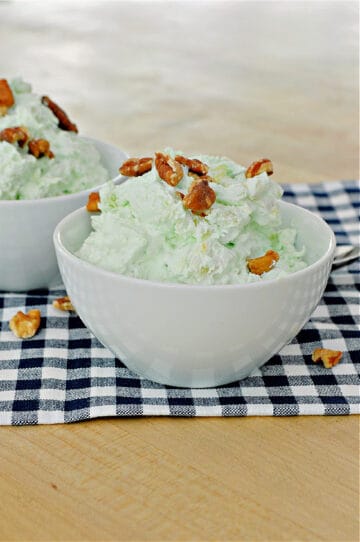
(16, 134)
(63, 304)
(168, 169)
(93, 202)
(264, 263)
(330, 358)
(25, 326)
(40, 148)
(194, 165)
(64, 121)
(200, 197)
(6, 97)
(198, 177)
(134, 167)
(259, 167)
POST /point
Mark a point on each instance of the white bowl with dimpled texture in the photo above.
(27, 255)
(192, 335)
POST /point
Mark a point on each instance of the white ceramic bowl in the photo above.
(189, 335)
(27, 256)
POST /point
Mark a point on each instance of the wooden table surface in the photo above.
(244, 79)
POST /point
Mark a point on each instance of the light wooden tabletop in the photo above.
(244, 79)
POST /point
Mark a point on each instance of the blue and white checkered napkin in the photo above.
(64, 374)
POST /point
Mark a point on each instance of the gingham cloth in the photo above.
(64, 374)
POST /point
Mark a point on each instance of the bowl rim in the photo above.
(328, 255)
(67, 197)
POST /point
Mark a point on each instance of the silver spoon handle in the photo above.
(345, 254)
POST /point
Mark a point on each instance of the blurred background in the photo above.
(276, 79)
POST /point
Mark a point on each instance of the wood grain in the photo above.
(181, 479)
(244, 79)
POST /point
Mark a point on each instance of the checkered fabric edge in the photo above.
(64, 374)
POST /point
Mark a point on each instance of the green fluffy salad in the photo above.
(145, 231)
(76, 164)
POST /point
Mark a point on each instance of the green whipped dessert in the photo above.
(66, 164)
(151, 229)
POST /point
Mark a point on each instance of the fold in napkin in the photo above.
(64, 374)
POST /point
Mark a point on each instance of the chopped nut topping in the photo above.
(330, 358)
(64, 121)
(25, 326)
(134, 167)
(63, 304)
(207, 178)
(194, 165)
(168, 169)
(263, 264)
(194, 175)
(194, 183)
(259, 167)
(6, 97)
(197, 179)
(40, 148)
(93, 202)
(17, 134)
(200, 197)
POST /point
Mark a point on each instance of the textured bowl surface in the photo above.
(27, 256)
(189, 335)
